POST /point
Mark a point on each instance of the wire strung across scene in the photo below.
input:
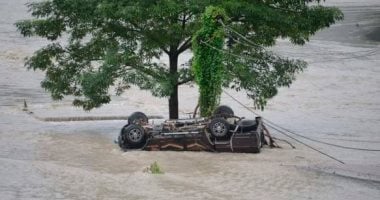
(274, 126)
(319, 151)
(287, 130)
(283, 130)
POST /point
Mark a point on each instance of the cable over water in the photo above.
(282, 130)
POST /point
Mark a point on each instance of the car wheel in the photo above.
(137, 118)
(133, 136)
(122, 144)
(219, 128)
(262, 139)
(223, 111)
(259, 144)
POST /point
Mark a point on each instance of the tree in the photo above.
(115, 43)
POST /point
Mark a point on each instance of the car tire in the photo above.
(132, 136)
(122, 144)
(219, 128)
(223, 111)
(259, 144)
(137, 117)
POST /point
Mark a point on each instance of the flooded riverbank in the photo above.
(336, 99)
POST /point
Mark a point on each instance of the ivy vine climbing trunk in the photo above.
(208, 59)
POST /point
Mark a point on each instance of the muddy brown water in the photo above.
(336, 99)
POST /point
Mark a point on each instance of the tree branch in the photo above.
(184, 21)
(152, 37)
(185, 45)
(284, 9)
(185, 81)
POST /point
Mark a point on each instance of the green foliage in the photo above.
(261, 73)
(101, 44)
(208, 63)
(155, 168)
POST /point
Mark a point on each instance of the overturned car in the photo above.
(223, 132)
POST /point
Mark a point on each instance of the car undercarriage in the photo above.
(222, 132)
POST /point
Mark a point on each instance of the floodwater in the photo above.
(336, 99)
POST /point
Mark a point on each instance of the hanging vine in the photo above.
(208, 62)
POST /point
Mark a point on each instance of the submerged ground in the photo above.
(335, 100)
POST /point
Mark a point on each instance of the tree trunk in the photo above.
(173, 99)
